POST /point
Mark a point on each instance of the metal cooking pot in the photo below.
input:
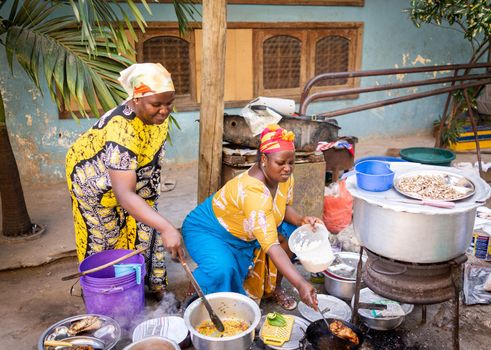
(412, 237)
(226, 305)
(154, 343)
(342, 285)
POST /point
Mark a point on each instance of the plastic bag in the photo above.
(338, 207)
(262, 111)
(257, 122)
(475, 278)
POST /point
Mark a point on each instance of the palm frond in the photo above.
(185, 11)
(72, 74)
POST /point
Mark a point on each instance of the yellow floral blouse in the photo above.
(246, 209)
(119, 140)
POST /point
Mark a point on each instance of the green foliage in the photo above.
(473, 19)
(173, 123)
(472, 16)
(450, 130)
(78, 52)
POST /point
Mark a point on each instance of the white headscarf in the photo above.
(143, 79)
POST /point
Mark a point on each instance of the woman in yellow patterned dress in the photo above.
(238, 236)
(113, 175)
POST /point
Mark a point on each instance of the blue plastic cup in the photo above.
(126, 269)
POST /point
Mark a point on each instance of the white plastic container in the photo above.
(312, 248)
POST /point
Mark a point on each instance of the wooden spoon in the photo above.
(111, 263)
(57, 343)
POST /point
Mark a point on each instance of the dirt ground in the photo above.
(34, 297)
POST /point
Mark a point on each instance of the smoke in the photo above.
(168, 306)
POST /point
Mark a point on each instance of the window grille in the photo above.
(282, 57)
(173, 54)
(332, 55)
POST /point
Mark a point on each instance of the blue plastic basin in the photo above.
(374, 175)
(381, 158)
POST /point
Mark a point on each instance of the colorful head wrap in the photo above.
(275, 139)
(142, 79)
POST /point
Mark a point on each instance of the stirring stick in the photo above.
(213, 316)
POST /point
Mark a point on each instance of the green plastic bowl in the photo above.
(428, 155)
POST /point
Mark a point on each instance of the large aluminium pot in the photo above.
(413, 237)
(226, 305)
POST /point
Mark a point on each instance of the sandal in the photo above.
(284, 300)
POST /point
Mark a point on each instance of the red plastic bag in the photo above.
(338, 207)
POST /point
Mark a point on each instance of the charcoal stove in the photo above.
(412, 283)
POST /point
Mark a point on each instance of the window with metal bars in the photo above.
(172, 53)
(285, 59)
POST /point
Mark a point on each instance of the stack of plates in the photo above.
(172, 327)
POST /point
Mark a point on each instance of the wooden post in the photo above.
(212, 90)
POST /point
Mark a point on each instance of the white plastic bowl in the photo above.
(312, 247)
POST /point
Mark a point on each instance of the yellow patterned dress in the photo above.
(119, 140)
(229, 234)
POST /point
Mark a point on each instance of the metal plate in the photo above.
(338, 309)
(368, 296)
(297, 337)
(108, 334)
(459, 183)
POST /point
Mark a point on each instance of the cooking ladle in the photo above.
(322, 314)
(213, 316)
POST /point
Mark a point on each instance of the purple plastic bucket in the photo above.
(118, 297)
(104, 257)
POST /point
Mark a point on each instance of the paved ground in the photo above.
(34, 297)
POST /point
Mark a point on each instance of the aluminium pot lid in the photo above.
(332, 307)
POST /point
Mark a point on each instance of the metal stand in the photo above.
(456, 271)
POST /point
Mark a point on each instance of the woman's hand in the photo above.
(308, 294)
(172, 241)
(312, 220)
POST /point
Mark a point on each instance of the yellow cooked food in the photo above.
(339, 329)
(232, 327)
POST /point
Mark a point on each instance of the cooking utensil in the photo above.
(397, 234)
(105, 337)
(213, 316)
(331, 307)
(228, 305)
(321, 336)
(57, 343)
(153, 342)
(381, 323)
(325, 321)
(430, 203)
(371, 306)
(111, 263)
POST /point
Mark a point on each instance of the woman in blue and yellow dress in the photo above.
(113, 175)
(238, 236)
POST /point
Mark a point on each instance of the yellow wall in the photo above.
(238, 64)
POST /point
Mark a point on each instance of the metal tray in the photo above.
(332, 307)
(461, 184)
(108, 334)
